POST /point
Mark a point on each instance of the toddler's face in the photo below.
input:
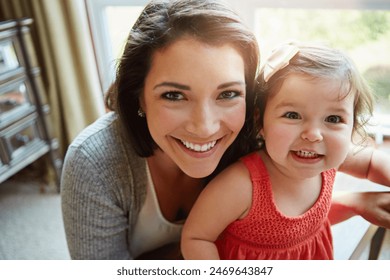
(308, 125)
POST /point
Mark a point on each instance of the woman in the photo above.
(184, 84)
(183, 101)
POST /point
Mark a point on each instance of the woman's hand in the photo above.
(372, 206)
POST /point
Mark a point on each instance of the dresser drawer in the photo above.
(15, 100)
(9, 61)
(22, 140)
(12, 59)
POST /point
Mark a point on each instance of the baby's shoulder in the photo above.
(234, 176)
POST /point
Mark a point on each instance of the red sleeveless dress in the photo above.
(267, 234)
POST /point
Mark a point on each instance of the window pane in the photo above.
(120, 20)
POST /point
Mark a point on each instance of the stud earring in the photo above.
(141, 113)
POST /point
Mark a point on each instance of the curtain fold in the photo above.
(64, 49)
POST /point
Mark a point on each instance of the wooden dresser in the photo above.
(24, 114)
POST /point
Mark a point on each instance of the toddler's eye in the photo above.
(333, 119)
(173, 96)
(229, 94)
(292, 115)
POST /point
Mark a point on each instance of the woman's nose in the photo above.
(204, 121)
(312, 133)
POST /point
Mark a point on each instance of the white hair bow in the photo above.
(279, 58)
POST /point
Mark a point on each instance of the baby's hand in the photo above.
(374, 207)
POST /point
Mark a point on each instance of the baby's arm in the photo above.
(226, 198)
(373, 165)
(372, 206)
(369, 163)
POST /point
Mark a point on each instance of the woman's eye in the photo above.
(333, 119)
(173, 96)
(292, 115)
(229, 94)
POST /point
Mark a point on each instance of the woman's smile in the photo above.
(199, 147)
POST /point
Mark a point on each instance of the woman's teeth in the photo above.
(305, 154)
(197, 147)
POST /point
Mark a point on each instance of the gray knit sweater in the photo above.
(103, 186)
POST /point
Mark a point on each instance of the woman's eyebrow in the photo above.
(172, 84)
(185, 87)
(229, 84)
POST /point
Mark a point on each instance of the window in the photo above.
(111, 21)
(361, 27)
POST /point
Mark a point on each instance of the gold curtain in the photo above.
(63, 44)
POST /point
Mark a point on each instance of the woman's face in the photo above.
(194, 100)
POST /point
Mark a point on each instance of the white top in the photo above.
(152, 230)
